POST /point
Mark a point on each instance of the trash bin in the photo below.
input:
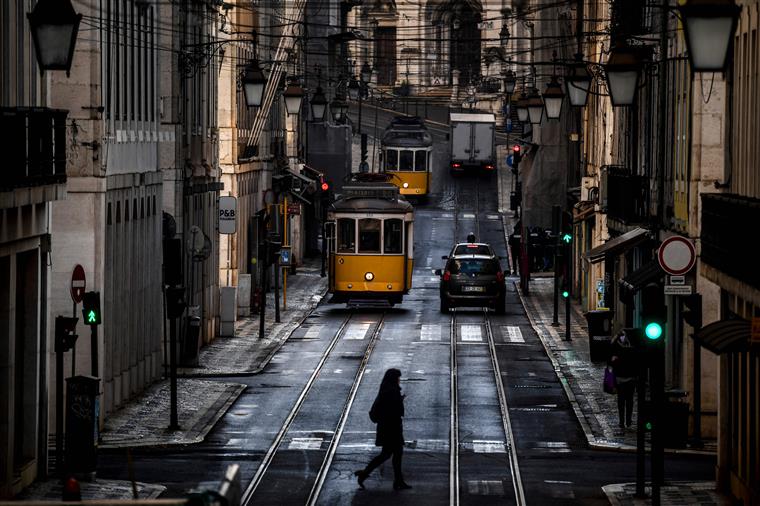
(599, 334)
(675, 419)
(82, 414)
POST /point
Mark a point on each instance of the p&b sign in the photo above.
(227, 215)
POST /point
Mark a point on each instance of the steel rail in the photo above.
(269, 456)
(316, 488)
(453, 419)
(506, 421)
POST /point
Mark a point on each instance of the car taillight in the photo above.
(489, 167)
(500, 276)
(456, 165)
(446, 276)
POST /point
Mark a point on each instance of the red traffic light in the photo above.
(325, 186)
(516, 148)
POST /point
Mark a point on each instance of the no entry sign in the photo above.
(78, 284)
(677, 255)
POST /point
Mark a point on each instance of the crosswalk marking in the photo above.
(488, 446)
(430, 333)
(512, 334)
(305, 443)
(357, 331)
(313, 331)
(468, 216)
(493, 217)
(471, 333)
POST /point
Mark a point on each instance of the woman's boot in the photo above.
(361, 475)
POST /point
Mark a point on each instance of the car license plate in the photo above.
(473, 289)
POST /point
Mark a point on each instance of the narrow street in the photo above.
(507, 434)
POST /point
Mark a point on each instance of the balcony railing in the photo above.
(34, 146)
(627, 197)
(728, 226)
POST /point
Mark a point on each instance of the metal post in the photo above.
(277, 289)
(59, 412)
(568, 287)
(697, 380)
(657, 405)
(556, 218)
(94, 349)
(263, 301)
(641, 451)
(286, 242)
(173, 418)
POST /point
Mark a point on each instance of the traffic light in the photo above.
(65, 333)
(91, 308)
(654, 313)
(175, 302)
(516, 157)
(323, 184)
(567, 229)
(692, 310)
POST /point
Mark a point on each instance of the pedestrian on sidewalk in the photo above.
(387, 412)
(623, 362)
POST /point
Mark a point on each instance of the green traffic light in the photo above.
(92, 317)
(648, 425)
(653, 330)
(567, 238)
(565, 293)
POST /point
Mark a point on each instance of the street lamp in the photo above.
(709, 26)
(578, 82)
(318, 105)
(253, 84)
(504, 35)
(535, 107)
(522, 107)
(366, 73)
(510, 81)
(553, 98)
(622, 69)
(354, 89)
(293, 96)
(54, 25)
(338, 108)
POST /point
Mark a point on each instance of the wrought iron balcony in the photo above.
(35, 146)
(627, 196)
(728, 223)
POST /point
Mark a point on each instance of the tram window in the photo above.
(391, 162)
(406, 161)
(369, 235)
(392, 237)
(346, 235)
(420, 160)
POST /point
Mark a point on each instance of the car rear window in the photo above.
(473, 266)
(472, 249)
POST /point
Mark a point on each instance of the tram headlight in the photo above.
(405, 185)
(369, 276)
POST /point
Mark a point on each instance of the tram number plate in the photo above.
(473, 289)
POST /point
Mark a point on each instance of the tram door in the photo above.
(328, 235)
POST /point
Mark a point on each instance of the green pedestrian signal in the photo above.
(567, 238)
(653, 331)
(91, 308)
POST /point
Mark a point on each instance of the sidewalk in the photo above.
(700, 492)
(202, 402)
(100, 490)
(581, 378)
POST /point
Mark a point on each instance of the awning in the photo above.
(724, 336)
(617, 245)
(639, 278)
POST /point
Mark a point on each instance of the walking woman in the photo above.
(623, 362)
(387, 412)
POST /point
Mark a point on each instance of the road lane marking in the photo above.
(512, 334)
(468, 216)
(430, 333)
(471, 333)
(313, 331)
(356, 331)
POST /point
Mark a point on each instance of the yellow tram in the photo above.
(407, 155)
(370, 244)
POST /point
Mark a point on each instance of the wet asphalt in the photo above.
(329, 371)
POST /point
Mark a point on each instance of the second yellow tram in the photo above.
(407, 155)
(370, 245)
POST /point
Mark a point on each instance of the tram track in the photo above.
(276, 445)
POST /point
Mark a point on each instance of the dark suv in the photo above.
(472, 281)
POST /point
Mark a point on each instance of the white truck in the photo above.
(472, 142)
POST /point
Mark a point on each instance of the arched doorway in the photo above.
(454, 41)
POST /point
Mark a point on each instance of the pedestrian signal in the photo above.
(653, 330)
(653, 312)
(91, 308)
